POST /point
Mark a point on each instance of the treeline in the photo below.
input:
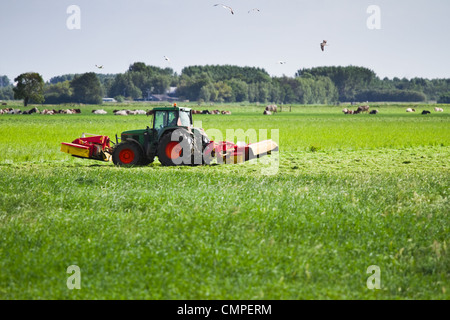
(227, 83)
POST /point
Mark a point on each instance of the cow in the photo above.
(206, 112)
(272, 108)
(226, 112)
(438, 109)
(121, 113)
(47, 112)
(149, 113)
(373, 112)
(101, 111)
(363, 109)
(14, 111)
(31, 111)
(410, 110)
(267, 113)
(426, 112)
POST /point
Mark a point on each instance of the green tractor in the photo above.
(172, 138)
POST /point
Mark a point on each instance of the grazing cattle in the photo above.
(31, 111)
(101, 111)
(196, 112)
(4, 104)
(206, 112)
(226, 112)
(121, 113)
(272, 108)
(48, 112)
(410, 110)
(426, 112)
(438, 109)
(363, 109)
(267, 113)
(14, 111)
(347, 111)
(149, 113)
(373, 112)
(140, 112)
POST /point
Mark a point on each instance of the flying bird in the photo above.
(323, 44)
(100, 67)
(282, 62)
(167, 58)
(254, 9)
(224, 6)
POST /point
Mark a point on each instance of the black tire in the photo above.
(168, 155)
(127, 154)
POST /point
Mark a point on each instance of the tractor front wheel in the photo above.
(127, 154)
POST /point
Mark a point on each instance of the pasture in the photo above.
(349, 192)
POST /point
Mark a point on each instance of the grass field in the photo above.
(349, 192)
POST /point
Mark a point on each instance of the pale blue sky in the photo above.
(412, 41)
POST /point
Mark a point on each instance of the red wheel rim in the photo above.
(173, 150)
(126, 156)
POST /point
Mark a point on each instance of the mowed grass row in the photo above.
(307, 230)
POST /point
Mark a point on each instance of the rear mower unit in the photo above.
(172, 138)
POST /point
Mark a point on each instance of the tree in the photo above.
(60, 92)
(30, 87)
(445, 98)
(87, 88)
(4, 81)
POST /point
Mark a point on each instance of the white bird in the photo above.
(254, 9)
(167, 58)
(224, 6)
(282, 62)
(323, 44)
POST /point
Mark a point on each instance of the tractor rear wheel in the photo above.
(128, 154)
(172, 153)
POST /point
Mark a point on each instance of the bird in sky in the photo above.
(254, 9)
(323, 44)
(167, 58)
(224, 6)
(282, 62)
(100, 67)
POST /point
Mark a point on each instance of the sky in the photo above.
(399, 38)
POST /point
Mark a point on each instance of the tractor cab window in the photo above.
(185, 119)
(160, 120)
(173, 117)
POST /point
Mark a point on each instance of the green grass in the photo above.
(374, 192)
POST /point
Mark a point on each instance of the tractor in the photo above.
(172, 138)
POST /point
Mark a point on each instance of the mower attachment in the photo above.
(230, 153)
(94, 147)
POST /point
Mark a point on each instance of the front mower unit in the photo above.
(93, 147)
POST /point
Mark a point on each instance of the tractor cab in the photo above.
(166, 118)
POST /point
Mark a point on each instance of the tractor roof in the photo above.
(172, 108)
